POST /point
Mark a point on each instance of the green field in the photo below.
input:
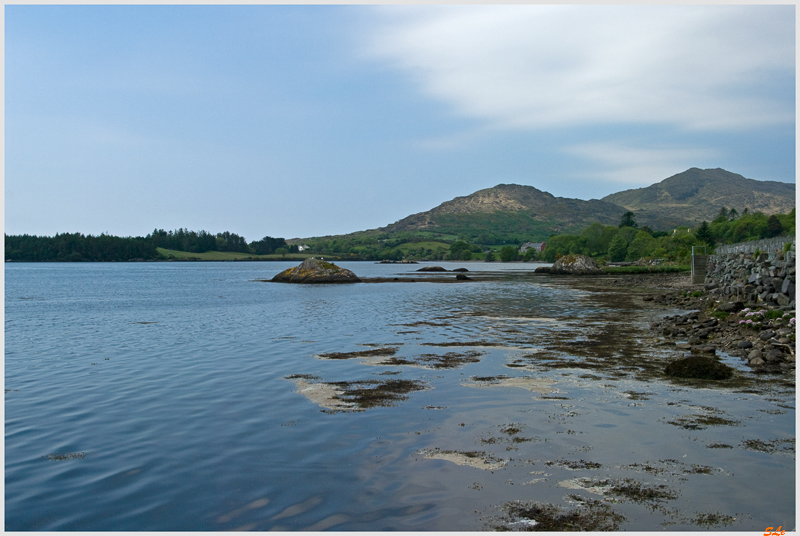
(423, 245)
(171, 254)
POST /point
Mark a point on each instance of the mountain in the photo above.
(512, 212)
(509, 209)
(697, 194)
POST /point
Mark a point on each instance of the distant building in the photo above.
(536, 246)
(302, 248)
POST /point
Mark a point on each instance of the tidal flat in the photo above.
(196, 397)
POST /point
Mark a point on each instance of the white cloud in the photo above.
(617, 162)
(539, 66)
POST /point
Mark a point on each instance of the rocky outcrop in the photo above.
(432, 269)
(316, 271)
(575, 264)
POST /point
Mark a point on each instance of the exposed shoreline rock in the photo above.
(700, 367)
(765, 344)
(432, 269)
(312, 271)
(575, 265)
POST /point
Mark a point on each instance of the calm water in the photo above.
(154, 396)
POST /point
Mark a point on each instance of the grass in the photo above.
(432, 245)
(171, 254)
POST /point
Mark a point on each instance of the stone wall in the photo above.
(766, 245)
(734, 273)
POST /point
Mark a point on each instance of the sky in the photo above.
(298, 121)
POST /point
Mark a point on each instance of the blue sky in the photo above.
(297, 121)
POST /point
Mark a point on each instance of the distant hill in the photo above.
(697, 194)
(510, 209)
(512, 212)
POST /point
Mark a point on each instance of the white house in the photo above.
(536, 246)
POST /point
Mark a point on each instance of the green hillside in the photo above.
(698, 194)
(513, 214)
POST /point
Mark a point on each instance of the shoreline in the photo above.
(708, 325)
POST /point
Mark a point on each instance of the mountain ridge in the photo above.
(697, 194)
(508, 211)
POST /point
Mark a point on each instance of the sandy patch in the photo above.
(585, 484)
(478, 460)
(538, 385)
(323, 395)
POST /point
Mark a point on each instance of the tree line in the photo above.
(66, 247)
(629, 242)
(624, 242)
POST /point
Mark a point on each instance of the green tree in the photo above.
(642, 245)
(627, 233)
(618, 249)
(628, 220)
(774, 226)
(508, 253)
(703, 234)
(595, 240)
(722, 215)
(531, 255)
(460, 251)
(282, 251)
(490, 256)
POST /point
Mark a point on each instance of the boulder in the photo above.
(432, 269)
(316, 271)
(575, 264)
(774, 355)
(755, 354)
(730, 307)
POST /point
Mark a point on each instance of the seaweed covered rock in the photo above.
(700, 367)
(575, 264)
(316, 271)
(432, 269)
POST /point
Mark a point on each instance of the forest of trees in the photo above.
(80, 247)
(624, 242)
(629, 242)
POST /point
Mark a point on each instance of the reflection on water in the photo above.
(183, 396)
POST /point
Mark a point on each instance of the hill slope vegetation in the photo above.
(695, 195)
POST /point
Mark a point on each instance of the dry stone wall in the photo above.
(748, 273)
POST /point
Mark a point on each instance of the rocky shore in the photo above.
(762, 334)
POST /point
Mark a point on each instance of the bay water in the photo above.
(181, 396)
